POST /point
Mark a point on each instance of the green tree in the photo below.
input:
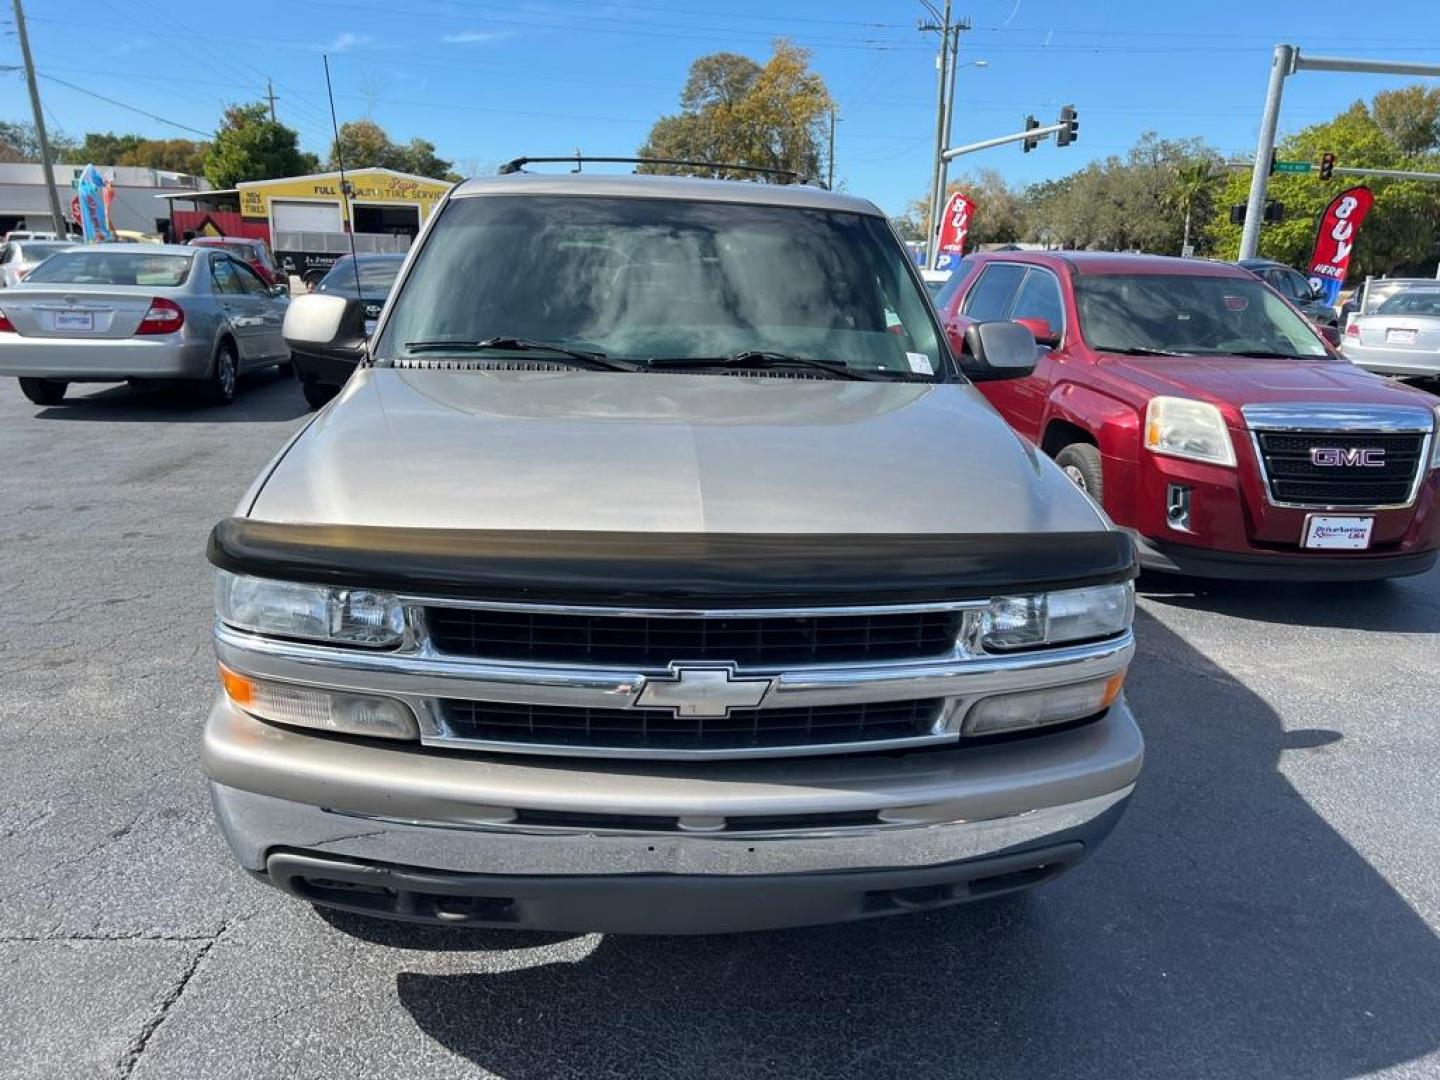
(1410, 116)
(251, 146)
(1401, 232)
(1192, 191)
(734, 110)
(1000, 210)
(107, 148)
(364, 144)
(19, 143)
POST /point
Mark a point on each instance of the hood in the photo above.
(603, 451)
(1239, 381)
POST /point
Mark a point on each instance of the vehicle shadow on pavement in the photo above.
(263, 397)
(1225, 929)
(1399, 606)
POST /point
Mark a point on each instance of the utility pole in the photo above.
(945, 68)
(270, 93)
(830, 183)
(40, 136)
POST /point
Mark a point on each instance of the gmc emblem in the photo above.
(1350, 456)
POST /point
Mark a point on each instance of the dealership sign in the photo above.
(954, 227)
(1336, 239)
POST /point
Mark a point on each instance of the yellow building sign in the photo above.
(378, 186)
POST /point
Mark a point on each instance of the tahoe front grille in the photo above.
(655, 641)
(657, 729)
(1296, 476)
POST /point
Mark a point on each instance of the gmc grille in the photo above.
(646, 641)
(657, 729)
(1295, 478)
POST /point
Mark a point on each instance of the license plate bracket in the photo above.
(1337, 532)
(1399, 336)
(74, 320)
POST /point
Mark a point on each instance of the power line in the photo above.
(123, 105)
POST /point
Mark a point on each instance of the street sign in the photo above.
(1187, 251)
(1292, 166)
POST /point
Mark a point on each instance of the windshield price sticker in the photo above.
(1344, 533)
(920, 363)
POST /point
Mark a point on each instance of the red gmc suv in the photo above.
(1204, 412)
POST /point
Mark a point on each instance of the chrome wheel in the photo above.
(1077, 477)
(225, 373)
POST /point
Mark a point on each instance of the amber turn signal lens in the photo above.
(238, 688)
(1112, 689)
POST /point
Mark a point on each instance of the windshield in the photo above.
(1190, 315)
(95, 267)
(1411, 303)
(376, 276)
(660, 279)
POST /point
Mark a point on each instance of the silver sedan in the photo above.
(19, 257)
(1400, 337)
(111, 312)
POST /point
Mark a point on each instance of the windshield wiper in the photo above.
(764, 358)
(1270, 354)
(1140, 350)
(596, 360)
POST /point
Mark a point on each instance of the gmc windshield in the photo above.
(1174, 314)
(667, 280)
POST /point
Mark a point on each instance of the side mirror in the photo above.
(320, 324)
(280, 288)
(1044, 333)
(998, 350)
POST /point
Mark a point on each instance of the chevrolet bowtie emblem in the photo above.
(693, 690)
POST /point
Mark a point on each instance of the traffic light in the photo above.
(1274, 212)
(1327, 166)
(1030, 125)
(1237, 214)
(1070, 131)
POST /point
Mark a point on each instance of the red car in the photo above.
(1204, 412)
(253, 253)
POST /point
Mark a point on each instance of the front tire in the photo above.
(44, 391)
(1081, 463)
(224, 378)
(318, 395)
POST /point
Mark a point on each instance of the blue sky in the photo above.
(486, 81)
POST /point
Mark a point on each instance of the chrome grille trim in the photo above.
(421, 678)
(1349, 421)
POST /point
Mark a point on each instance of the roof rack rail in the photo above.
(579, 161)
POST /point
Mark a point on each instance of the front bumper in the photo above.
(1189, 561)
(175, 356)
(435, 837)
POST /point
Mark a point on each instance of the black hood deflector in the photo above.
(672, 569)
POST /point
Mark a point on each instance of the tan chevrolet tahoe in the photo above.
(660, 570)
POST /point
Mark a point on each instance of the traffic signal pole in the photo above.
(1036, 133)
(1286, 61)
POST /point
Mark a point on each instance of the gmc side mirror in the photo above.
(1044, 333)
(998, 350)
(322, 324)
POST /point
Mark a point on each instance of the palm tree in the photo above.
(1191, 184)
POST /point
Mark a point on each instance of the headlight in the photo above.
(326, 710)
(1180, 427)
(1017, 622)
(312, 612)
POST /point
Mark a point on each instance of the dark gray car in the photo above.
(659, 571)
(1295, 287)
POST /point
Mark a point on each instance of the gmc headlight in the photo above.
(310, 612)
(1019, 622)
(1180, 427)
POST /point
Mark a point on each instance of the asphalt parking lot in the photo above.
(1268, 907)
